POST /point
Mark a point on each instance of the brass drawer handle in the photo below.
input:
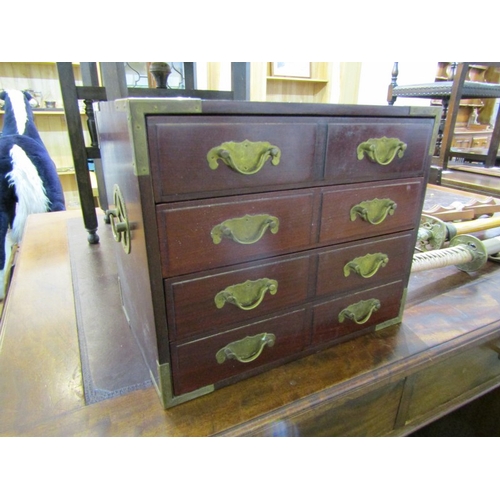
(245, 230)
(246, 295)
(373, 211)
(381, 150)
(245, 157)
(360, 312)
(366, 266)
(247, 349)
(118, 218)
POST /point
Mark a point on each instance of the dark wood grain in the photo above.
(194, 297)
(186, 244)
(345, 135)
(336, 223)
(179, 146)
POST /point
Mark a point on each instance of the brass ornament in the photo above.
(367, 265)
(247, 295)
(118, 217)
(373, 211)
(381, 150)
(245, 157)
(245, 230)
(246, 350)
(360, 312)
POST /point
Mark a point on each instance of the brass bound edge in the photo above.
(165, 389)
(399, 318)
(137, 109)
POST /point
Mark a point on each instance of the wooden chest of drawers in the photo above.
(250, 234)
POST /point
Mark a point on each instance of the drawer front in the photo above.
(238, 352)
(238, 296)
(352, 267)
(366, 210)
(452, 378)
(355, 312)
(205, 235)
(365, 150)
(209, 154)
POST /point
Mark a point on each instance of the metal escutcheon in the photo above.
(245, 157)
(118, 217)
(247, 349)
(360, 312)
(366, 266)
(247, 295)
(381, 150)
(245, 230)
(373, 211)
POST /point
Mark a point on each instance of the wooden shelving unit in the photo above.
(42, 78)
(267, 87)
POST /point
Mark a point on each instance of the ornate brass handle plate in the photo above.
(373, 211)
(246, 295)
(247, 349)
(381, 150)
(118, 217)
(360, 312)
(245, 157)
(245, 230)
(367, 265)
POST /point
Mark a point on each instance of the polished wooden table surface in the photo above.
(448, 312)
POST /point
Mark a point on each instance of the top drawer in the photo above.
(377, 149)
(210, 154)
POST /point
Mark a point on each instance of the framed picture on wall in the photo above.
(291, 69)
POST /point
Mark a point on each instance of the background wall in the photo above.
(351, 82)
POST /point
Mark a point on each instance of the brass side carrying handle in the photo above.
(381, 150)
(360, 312)
(366, 266)
(373, 211)
(245, 230)
(118, 217)
(247, 295)
(245, 157)
(247, 349)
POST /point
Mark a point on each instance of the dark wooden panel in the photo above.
(336, 223)
(332, 279)
(327, 326)
(344, 136)
(195, 364)
(440, 384)
(179, 146)
(191, 302)
(185, 230)
(371, 415)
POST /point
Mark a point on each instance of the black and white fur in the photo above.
(29, 182)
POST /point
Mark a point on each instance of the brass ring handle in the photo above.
(245, 157)
(366, 266)
(118, 218)
(360, 312)
(381, 150)
(246, 350)
(245, 230)
(373, 211)
(246, 295)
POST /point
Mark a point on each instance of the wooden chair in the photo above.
(114, 87)
(451, 92)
